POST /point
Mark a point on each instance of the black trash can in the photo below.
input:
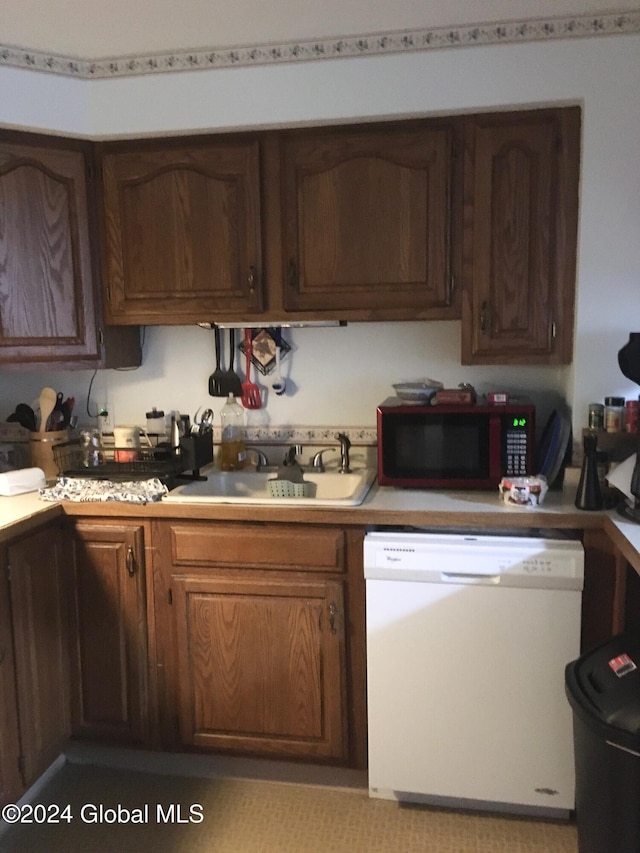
(603, 688)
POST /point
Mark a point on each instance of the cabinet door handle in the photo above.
(333, 612)
(293, 274)
(131, 561)
(484, 310)
(251, 279)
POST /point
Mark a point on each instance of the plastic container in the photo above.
(603, 688)
(233, 451)
(525, 492)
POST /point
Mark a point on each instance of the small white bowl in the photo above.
(418, 391)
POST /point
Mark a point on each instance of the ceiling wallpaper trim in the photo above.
(508, 32)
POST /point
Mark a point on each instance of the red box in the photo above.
(498, 398)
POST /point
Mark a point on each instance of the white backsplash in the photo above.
(335, 376)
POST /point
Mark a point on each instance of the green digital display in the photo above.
(519, 422)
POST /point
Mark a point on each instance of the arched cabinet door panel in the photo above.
(521, 195)
(182, 230)
(47, 301)
(368, 219)
(50, 310)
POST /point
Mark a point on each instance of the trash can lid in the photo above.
(605, 682)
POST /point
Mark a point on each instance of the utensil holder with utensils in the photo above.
(196, 450)
(42, 446)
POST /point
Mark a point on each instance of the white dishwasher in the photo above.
(467, 640)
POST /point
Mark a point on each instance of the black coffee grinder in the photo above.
(629, 361)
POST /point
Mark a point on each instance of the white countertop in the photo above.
(20, 510)
(629, 533)
(459, 501)
(381, 499)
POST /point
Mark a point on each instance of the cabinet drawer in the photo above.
(253, 546)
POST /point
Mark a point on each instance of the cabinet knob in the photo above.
(131, 561)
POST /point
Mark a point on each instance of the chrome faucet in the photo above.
(261, 459)
(345, 444)
(294, 450)
(317, 462)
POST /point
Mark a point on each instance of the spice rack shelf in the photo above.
(617, 445)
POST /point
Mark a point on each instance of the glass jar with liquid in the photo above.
(596, 416)
(233, 451)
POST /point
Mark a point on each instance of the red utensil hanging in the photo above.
(251, 398)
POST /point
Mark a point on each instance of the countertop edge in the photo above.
(381, 507)
(625, 535)
(34, 516)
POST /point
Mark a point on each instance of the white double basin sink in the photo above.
(251, 487)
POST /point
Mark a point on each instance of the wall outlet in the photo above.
(105, 420)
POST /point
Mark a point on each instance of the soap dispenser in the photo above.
(233, 452)
(589, 494)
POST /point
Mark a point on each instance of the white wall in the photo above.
(93, 28)
(341, 374)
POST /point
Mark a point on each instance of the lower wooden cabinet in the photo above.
(110, 657)
(11, 784)
(261, 665)
(34, 637)
(251, 639)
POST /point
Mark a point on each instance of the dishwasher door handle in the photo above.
(469, 577)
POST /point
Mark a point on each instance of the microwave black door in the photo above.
(440, 450)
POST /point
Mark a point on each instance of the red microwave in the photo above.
(461, 446)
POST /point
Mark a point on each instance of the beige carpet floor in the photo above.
(247, 816)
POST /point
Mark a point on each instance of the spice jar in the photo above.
(613, 413)
(631, 416)
(596, 416)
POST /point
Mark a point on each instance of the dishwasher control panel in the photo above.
(503, 560)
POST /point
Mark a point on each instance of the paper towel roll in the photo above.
(21, 481)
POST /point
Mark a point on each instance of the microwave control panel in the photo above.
(516, 445)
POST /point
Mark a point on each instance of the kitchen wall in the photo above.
(335, 375)
(341, 373)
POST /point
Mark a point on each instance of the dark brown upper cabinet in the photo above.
(521, 203)
(50, 310)
(182, 230)
(469, 216)
(368, 220)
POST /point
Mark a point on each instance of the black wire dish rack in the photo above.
(77, 458)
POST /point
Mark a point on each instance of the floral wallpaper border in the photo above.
(507, 32)
(264, 435)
